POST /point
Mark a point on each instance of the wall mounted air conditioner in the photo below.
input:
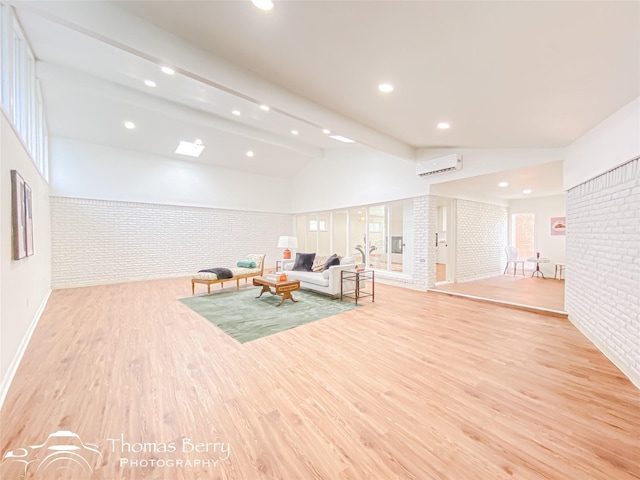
(447, 163)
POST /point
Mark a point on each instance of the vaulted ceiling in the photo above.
(502, 74)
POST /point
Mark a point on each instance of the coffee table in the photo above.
(280, 288)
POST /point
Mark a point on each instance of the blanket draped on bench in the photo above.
(220, 272)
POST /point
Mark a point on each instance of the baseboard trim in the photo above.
(634, 377)
(518, 306)
(15, 363)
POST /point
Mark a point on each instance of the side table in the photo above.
(359, 279)
(538, 260)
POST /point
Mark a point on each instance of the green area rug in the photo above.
(245, 318)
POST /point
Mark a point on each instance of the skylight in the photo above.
(340, 138)
(263, 4)
(189, 149)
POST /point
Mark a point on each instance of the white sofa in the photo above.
(327, 281)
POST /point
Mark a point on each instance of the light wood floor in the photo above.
(529, 291)
(414, 386)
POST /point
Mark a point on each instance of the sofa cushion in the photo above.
(313, 278)
(331, 261)
(304, 262)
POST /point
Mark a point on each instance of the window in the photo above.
(20, 91)
(523, 234)
(380, 236)
(317, 225)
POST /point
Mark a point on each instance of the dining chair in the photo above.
(512, 257)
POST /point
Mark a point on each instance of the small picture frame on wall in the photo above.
(21, 217)
(18, 216)
(558, 225)
(28, 210)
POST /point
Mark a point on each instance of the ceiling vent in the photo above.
(439, 165)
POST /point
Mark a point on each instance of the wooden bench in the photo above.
(238, 274)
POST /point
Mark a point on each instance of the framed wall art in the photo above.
(558, 225)
(21, 217)
(28, 211)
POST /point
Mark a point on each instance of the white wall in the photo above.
(603, 264)
(25, 283)
(550, 246)
(424, 228)
(480, 238)
(614, 141)
(347, 177)
(603, 233)
(102, 241)
(85, 170)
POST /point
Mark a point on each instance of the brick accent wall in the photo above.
(603, 264)
(424, 253)
(96, 241)
(481, 235)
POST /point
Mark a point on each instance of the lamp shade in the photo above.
(287, 242)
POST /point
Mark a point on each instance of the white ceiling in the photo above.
(504, 74)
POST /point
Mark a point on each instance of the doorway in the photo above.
(445, 240)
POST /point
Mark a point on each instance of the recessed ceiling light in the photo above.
(236, 112)
(443, 125)
(265, 108)
(249, 153)
(263, 4)
(340, 138)
(129, 125)
(168, 70)
(197, 141)
(503, 184)
(150, 83)
(294, 132)
(189, 149)
(385, 87)
(326, 131)
(526, 191)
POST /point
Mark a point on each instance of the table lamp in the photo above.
(287, 243)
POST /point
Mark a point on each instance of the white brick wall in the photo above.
(424, 253)
(481, 235)
(97, 241)
(603, 264)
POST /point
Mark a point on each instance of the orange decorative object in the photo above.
(286, 254)
(283, 277)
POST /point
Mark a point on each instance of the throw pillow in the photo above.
(246, 264)
(331, 261)
(318, 263)
(304, 262)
